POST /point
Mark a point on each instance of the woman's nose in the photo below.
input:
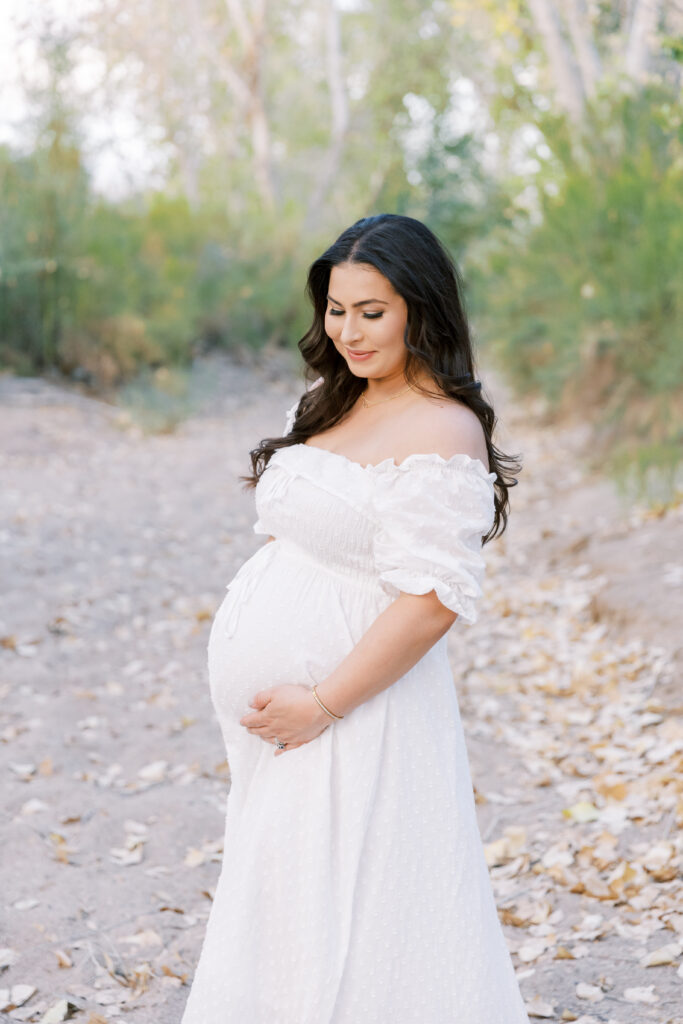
(350, 330)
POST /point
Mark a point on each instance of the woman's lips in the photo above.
(359, 355)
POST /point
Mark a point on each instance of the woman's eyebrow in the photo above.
(363, 302)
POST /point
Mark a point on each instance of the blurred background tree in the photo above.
(540, 139)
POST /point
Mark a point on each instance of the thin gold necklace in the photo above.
(369, 405)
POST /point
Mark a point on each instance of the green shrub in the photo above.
(586, 305)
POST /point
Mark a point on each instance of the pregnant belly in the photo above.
(283, 620)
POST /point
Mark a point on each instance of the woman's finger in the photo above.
(260, 699)
(254, 718)
(290, 746)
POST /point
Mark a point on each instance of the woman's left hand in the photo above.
(289, 712)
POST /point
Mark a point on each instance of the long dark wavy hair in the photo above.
(437, 338)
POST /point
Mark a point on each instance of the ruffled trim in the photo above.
(461, 599)
(460, 461)
(389, 465)
(430, 529)
(317, 465)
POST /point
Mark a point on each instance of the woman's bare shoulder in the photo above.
(447, 427)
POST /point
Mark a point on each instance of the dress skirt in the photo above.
(353, 887)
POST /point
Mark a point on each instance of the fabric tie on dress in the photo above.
(244, 582)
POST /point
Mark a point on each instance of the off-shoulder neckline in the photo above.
(460, 459)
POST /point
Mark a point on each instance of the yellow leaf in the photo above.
(581, 811)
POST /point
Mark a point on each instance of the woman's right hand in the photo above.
(289, 712)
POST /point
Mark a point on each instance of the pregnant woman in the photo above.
(353, 887)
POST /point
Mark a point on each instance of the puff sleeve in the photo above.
(431, 515)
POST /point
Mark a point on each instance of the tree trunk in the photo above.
(329, 165)
(570, 89)
(251, 32)
(644, 22)
(584, 46)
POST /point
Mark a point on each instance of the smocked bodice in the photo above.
(414, 527)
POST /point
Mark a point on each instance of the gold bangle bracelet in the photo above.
(327, 710)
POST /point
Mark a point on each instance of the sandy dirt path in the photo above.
(115, 550)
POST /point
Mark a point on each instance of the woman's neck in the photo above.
(387, 387)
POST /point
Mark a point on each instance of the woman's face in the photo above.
(366, 315)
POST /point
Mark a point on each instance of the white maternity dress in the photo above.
(353, 887)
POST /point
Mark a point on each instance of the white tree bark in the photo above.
(581, 33)
(563, 68)
(329, 165)
(641, 37)
(249, 83)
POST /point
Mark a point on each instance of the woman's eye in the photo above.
(368, 316)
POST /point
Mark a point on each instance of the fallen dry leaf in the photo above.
(17, 995)
(8, 957)
(539, 1007)
(641, 994)
(593, 993)
(62, 1010)
(662, 955)
(194, 858)
(582, 811)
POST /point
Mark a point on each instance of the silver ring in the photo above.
(279, 744)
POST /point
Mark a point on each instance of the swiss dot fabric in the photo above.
(353, 888)
(432, 514)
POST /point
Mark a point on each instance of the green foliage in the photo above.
(584, 301)
(570, 238)
(674, 46)
(102, 289)
(456, 197)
